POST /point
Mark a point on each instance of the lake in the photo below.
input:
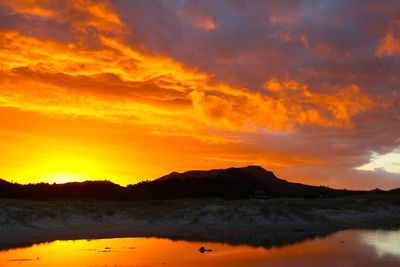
(345, 248)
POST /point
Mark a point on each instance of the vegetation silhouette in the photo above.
(231, 183)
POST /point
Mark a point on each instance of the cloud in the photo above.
(327, 110)
(390, 44)
(82, 14)
(299, 87)
(137, 80)
(388, 162)
(202, 21)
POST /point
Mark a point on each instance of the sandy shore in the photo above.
(265, 223)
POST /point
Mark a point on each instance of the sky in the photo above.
(132, 90)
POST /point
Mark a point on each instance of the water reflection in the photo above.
(385, 243)
(347, 248)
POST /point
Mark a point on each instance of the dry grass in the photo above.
(210, 211)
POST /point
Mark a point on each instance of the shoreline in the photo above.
(244, 222)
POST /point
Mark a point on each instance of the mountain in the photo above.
(231, 183)
(266, 179)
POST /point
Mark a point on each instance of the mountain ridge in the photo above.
(231, 183)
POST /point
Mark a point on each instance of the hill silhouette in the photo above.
(231, 183)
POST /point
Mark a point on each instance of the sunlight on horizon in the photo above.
(63, 168)
(65, 177)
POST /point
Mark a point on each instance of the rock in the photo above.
(203, 249)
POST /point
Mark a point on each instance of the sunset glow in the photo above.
(131, 90)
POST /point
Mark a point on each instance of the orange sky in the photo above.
(128, 91)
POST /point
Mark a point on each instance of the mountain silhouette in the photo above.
(231, 183)
(239, 183)
(259, 174)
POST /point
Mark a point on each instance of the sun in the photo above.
(63, 166)
(65, 177)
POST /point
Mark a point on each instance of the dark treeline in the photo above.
(232, 183)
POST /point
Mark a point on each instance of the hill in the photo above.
(231, 183)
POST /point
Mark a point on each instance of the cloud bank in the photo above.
(308, 90)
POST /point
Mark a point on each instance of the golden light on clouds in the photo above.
(63, 79)
(141, 99)
(390, 43)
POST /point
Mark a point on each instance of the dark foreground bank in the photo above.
(265, 223)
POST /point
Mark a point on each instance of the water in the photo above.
(348, 248)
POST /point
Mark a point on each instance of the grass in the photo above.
(251, 211)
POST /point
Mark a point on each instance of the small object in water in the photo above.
(202, 250)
